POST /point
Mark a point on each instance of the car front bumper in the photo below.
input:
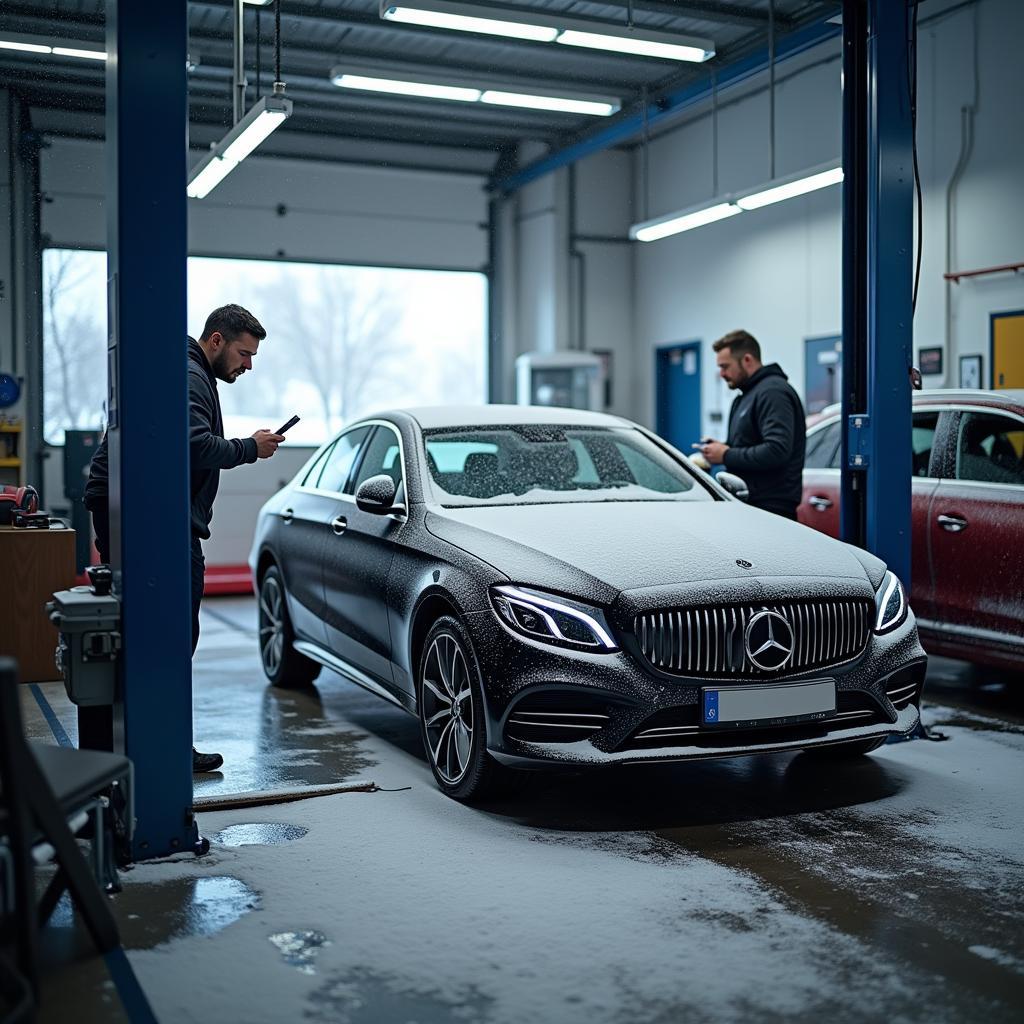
(515, 670)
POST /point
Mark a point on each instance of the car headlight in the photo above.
(551, 619)
(890, 604)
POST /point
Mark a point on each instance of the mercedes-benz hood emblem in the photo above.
(769, 640)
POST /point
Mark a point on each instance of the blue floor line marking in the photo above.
(133, 998)
(51, 717)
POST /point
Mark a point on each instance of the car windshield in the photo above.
(537, 464)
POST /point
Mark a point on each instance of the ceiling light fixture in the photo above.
(399, 87)
(263, 118)
(729, 206)
(28, 45)
(789, 189)
(545, 27)
(427, 86)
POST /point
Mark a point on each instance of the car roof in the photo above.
(1012, 398)
(433, 416)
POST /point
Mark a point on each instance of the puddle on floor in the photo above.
(264, 833)
(300, 949)
(151, 915)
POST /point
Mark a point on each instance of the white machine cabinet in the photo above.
(572, 380)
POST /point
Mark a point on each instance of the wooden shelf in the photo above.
(10, 428)
(10, 463)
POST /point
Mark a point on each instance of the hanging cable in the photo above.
(645, 157)
(714, 131)
(912, 9)
(278, 84)
(771, 84)
(259, 40)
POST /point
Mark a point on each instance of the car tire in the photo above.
(840, 751)
(282, 664)
(455, 741)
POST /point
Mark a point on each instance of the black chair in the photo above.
(41, 788)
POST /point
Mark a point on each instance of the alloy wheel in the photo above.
(271, 625)
(447, 708)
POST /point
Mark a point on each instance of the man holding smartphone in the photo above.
(767, 433)
(224, 351)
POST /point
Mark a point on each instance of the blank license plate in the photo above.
(769, 704)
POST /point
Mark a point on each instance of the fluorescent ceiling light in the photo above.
(27, 45)
(258, 3)
(730, 205)
(208, 176)
(639, 47)
(11, 44)
(403, 88)
(799, 187)
(262, 118)
(547, 27)
(467, 23)
(70, 51)
(427, 85)
(255, 132)
(662, 227)
(533, 102)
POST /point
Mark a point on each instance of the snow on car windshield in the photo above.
(534, 464)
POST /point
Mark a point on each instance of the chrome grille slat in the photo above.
(702, 641)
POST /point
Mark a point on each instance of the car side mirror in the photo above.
(734, 484)
(377, 496)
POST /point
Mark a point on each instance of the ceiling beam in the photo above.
(705, 10)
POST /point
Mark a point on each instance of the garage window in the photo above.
(341, 341)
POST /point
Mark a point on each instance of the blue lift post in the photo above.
(877, 280)
(146, 123)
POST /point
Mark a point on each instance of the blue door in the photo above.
(677, 387)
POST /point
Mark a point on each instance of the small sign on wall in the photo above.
(929, 361)
(970, 371)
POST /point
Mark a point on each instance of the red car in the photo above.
(968, 519)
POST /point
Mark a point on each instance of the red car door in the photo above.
(976, 529)
(820, 506)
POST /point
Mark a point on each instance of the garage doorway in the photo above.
(677, 391)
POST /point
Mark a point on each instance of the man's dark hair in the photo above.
(739, 343)
(232, 321)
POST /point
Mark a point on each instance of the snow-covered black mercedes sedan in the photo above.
(546, 587)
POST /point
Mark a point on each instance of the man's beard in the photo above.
(220, 369)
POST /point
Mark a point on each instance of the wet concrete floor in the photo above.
(759, 889)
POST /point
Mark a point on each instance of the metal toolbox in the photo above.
(90, 639)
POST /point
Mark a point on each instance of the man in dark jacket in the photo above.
(225, 350)
(767, 433)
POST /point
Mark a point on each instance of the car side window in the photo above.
(990, 449)
(822, 447)
(922, 440)
(382, 457)
(339, 464)
(313, 474)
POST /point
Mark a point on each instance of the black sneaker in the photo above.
(205, 762)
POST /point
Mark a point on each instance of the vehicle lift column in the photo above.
(877, 280)
(147, 163)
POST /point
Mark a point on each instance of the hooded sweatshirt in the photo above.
(209, 451)
(767, 438)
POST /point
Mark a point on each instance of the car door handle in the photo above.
(819, 502)
(339, 525)
(286, 514)
(954, 524)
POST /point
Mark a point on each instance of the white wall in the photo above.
(777, 271)
(332, 213)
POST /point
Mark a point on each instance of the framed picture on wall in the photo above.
(970, 371)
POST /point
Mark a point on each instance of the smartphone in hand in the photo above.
(288, 426)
